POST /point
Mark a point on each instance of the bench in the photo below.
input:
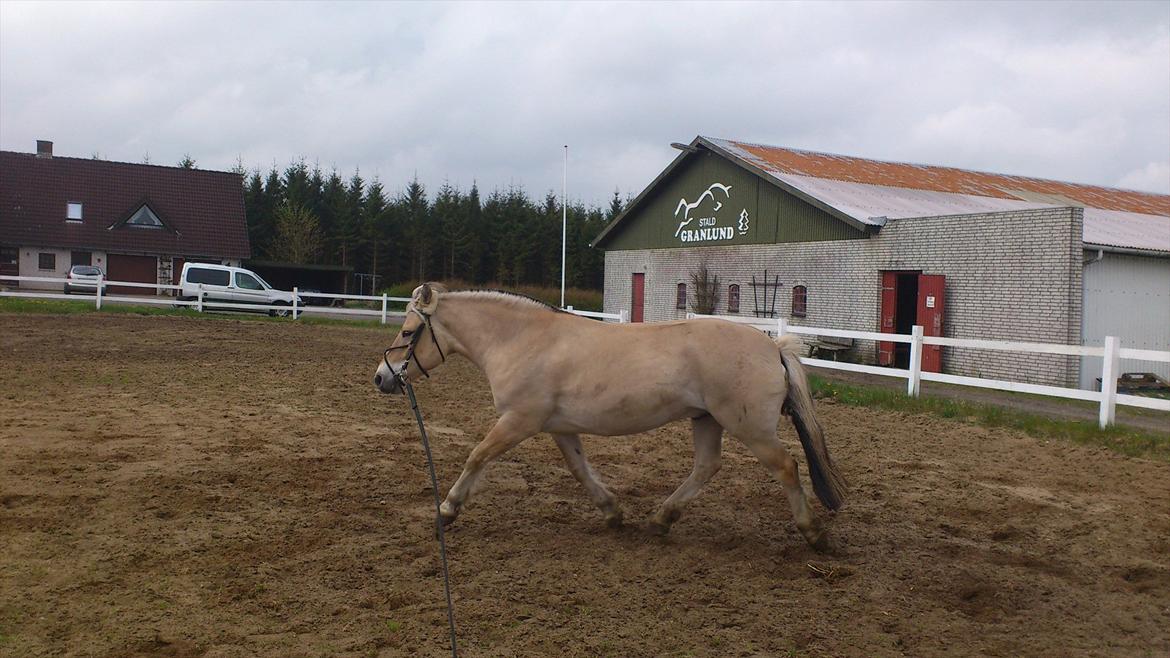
(829, 346)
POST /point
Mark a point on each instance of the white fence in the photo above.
(200, 303)
(1108, 397)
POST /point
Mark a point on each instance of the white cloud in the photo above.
(1154, 177)
(492, 91)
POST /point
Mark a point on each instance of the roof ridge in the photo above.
(120, 162)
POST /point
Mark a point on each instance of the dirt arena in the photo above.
(203, 487)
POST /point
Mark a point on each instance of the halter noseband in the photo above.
(400, 375)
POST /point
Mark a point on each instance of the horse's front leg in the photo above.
(509, 431)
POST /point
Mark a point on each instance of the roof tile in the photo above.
(203, 210)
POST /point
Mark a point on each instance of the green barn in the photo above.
(849, 243)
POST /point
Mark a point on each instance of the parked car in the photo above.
(313, 300)
(235, 285)
(83, 278)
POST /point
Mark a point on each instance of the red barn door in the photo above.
(931, 289)
(886, 322)
(638, 296)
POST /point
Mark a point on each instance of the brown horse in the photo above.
(551, 371)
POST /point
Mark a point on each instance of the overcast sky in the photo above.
(491, 92)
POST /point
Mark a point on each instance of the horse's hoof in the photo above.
(614, 519)
(659, 528)
(820, 542)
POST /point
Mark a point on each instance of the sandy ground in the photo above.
(194, 487)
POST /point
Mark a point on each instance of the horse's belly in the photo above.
(626, 414)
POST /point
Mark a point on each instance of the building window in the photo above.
(73, 212)
(144, 218)
(733, 298)
(799, 301)
(46, 261)
(681, 301)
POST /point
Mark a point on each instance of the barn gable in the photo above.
(703, 199)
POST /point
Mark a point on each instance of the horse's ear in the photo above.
(428, 298)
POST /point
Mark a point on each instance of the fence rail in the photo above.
(201, 303)
(1111, 352)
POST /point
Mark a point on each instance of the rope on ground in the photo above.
(438, 516)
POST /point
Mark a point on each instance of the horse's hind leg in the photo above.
(570, 445)
(708, 449)
(508, 432)
(771, 453)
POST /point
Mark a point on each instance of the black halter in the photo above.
(400, 375)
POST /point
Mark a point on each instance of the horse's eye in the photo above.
(406, 333)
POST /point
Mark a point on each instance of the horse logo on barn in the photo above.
(685, 207)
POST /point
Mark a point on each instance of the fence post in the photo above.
(98, 294)
(383, 308)
(569, 308)
(781, 327)
(914, 383)
(295, 294)
(625, 316)
(199, 304)
(1109, 381)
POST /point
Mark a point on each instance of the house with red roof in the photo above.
(851, 243)
(138, 222)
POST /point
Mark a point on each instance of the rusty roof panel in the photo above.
(777, 160)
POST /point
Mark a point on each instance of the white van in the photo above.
(236, 285)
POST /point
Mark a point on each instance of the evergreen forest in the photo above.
(306, 216)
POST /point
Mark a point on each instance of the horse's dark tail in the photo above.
(828, 484)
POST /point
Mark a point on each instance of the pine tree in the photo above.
(477, 247)
(333, 210)
(187, 162)
(374, 216)
(254, 211)
(349, 222)
(296, 184)
(615, 205)
(415, 216)
(451, 220)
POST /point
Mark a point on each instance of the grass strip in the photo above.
(1130, 441)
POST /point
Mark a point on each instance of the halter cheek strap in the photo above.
(400, 375)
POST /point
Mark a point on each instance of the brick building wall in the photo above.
(1009, 276)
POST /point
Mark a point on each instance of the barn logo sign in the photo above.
(704, 225)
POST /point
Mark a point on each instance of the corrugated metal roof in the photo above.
(872, 191)
(874, 204)
(1130, 230)
(775, 159)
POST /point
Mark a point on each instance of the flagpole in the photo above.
(564, 221)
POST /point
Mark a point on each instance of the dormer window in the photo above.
(73, 212)
(144, 218)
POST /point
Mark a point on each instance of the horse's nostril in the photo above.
(378, 381)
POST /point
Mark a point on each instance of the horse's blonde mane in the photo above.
(514, 299)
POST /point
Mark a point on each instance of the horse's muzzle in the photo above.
(386, 382)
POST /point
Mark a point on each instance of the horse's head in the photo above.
(416, 349)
